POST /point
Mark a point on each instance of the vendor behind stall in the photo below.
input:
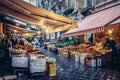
(14, 41)
(7, 46)
(2, 41)
(110, 43)
(20, 41)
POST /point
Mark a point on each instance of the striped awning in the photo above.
(115, 22)
(96, 30)
(96, 22)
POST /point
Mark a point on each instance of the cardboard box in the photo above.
(99, 62)
(51, 69)
(77, 58)
(91, 62)
(82, 60)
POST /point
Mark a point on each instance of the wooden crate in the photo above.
(91, 62)
(51, 69)
(82, 60)
(12, 77)
(99, 61)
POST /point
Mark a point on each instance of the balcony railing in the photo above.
(102, 2)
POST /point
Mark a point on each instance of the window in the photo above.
(100, 1)
(89, 2)
(33, 2)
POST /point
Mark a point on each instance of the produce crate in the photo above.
(99, 60)
(61, 51)
(104, 60)
(51, 69)
(65, 54)
(21, 62)
(91, 61)
(48, 48)
(77, 58)
(82, 59)
(37, 65)
(72, 56)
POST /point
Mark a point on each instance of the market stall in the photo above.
(87, 53)
(30, 14)
(29, 58)
(95, 54)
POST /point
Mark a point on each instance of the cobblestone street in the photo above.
(59, 39)
(70, 70)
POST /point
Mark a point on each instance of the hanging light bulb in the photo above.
(38, 32)
(26, 34)
(15, 31)
(46, 30)
(110, 31)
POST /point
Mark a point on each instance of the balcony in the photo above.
(103, 2)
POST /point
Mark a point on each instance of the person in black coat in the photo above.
(21, 42)
(7, 46)
(14, 41)
(110, 43)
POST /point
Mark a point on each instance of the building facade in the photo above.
(103, 4)
(75, 9)
(33, 2)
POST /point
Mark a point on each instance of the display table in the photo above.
(93, 55)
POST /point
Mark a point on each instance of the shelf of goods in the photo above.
(29, 58)
(88, 54)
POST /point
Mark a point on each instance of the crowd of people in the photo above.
(7, 42)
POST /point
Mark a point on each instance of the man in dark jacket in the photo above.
(110, 43)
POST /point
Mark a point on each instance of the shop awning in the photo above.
(20, 30)
(115, 22)
(95, 22)
(36, 16)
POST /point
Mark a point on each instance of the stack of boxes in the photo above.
(93, 61)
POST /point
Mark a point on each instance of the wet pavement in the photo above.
(70, 70)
